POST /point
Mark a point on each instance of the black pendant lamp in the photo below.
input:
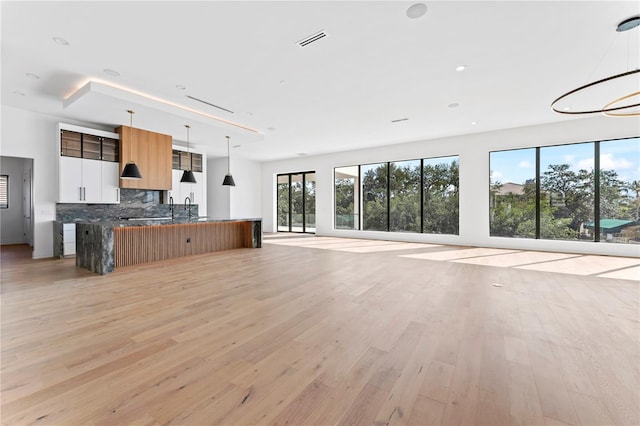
(228, 179)
(187, 175)
(130, 170)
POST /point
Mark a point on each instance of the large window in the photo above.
(619, 189)
(404, 196)
(401, 196)
(567, 189)
(441, 181)
(283, 203)
(296, 204)
(375, 187)
(513, 193)
(581, 192)
(347, 197)
(310, 202)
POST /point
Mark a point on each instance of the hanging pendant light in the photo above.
(130, 170)
(228, 179)
(623, 88)
(187, 175)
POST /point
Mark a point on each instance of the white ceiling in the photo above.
(339, 93)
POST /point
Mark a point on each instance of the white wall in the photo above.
(218, 196)
(246, 200)
(240, 201)
(474, 178)
(11, 219)
(31, 135)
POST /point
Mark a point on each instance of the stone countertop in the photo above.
(123, 223)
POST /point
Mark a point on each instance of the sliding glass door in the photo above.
(297, 202)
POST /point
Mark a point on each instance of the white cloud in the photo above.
(525, 164)
(608, 161)
(496, 174)
(586, 164)
(569, 158)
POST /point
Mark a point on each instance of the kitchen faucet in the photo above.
(187, 206)
(171, 206)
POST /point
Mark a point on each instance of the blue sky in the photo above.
(517, 166)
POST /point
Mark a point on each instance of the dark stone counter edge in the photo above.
(128, 223)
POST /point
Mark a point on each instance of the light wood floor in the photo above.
(297, 335)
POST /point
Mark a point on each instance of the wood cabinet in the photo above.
(151, 152)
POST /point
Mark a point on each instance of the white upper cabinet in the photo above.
(88, 168)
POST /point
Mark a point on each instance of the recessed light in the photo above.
(61, 41)
(112, 73)
(32, 76)
(461, 67)
(473, 123)
(19, 93)
(417, 10)
(180, 87)
(454, 105)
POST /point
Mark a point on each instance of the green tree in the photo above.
(374, 198)
(441, 198)
(345, 198)
(405, 196)
(283, 204)
(570, 194)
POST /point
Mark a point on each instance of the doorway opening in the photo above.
(296, 202)
(16, 214)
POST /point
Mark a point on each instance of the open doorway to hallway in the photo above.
(16, 193)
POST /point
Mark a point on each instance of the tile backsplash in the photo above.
(133, 203)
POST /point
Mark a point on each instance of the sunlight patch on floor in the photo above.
(632, 273)
(625, 268)
(460, 254)
(516, 259)
(584, 265)
(387, 247)
(350, 245)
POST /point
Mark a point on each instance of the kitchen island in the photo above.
(102, 246)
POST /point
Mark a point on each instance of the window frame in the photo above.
(597, 170)
(361, 201)
(4, 191)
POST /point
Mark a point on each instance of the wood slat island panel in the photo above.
(105, 245)
(143, 244)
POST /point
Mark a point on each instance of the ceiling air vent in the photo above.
(312, 38)
(209, 103)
